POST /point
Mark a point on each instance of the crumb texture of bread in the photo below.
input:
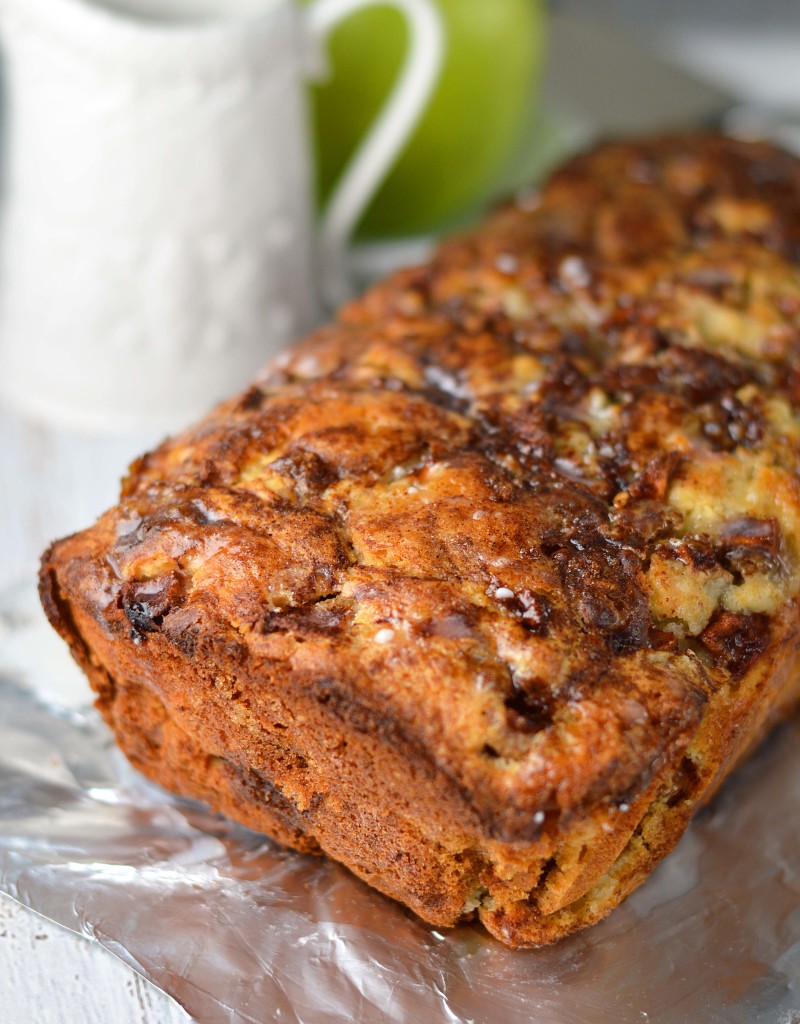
(485, 587)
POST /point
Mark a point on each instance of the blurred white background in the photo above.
(749, 46)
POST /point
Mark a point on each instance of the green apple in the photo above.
(479, 118)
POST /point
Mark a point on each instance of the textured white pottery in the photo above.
(158, 241)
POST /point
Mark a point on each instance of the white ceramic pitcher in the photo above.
(158, 238)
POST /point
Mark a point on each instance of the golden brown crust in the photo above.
(483, 588)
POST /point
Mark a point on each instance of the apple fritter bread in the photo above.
(484, 588)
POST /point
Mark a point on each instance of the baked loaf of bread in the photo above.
(483, 589)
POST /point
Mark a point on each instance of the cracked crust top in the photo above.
(535, 503)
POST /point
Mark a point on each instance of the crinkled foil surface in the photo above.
(237, 930)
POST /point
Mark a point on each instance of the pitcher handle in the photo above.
(378, 150)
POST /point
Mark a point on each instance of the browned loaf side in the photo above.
(482, 589)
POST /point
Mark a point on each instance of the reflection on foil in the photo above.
(237, 930)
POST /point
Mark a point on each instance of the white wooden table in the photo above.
(48, 975)
(51, 484)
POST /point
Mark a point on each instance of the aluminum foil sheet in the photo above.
(237, 930)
